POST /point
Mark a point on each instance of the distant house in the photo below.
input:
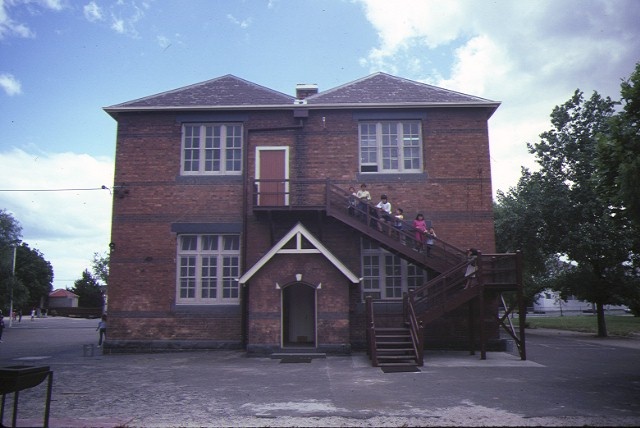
(233, 225)
(550, 302)
(60, 298)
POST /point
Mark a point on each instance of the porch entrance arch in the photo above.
(299, 315)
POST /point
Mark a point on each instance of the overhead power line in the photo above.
(103, 187)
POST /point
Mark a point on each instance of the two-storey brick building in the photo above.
(231, 225)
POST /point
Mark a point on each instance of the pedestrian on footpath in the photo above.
(1, 328)
(102, 327)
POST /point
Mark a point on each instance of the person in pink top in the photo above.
(421, 228)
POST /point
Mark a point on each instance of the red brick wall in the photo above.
(455, 193)
(265, 302)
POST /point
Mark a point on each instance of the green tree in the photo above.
(35, 274)
(10, 234)
(618, 152)
(89, 291)
(10, 229)
(580, 222)
(100, 268)
(520, 225)
(618, 158)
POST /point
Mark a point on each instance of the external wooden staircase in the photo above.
(450, 289)
(394, 347)
(404, 344)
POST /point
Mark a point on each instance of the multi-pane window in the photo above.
(390, 146)
(387, 276)
(210, 149)
(208, 268)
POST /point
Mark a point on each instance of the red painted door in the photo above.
(272, 187)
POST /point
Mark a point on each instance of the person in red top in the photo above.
(421, 228)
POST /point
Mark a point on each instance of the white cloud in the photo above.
(121, 16)
(163, 41)
(403, 23)
(52, 4)
(118, 25)
(245, 23)
(93, 12)
(10, 84)
(530, 55)
(125, 17)
(68, 226)
(10, 28)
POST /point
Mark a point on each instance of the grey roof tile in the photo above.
(232, 92)
(227, 90)
(382, 88)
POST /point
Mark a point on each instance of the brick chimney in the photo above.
(304, 90)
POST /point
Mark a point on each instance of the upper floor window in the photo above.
(387, 276)
(394, 146)
(208, 269)
(210, 149)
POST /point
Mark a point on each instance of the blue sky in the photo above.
(61, 61)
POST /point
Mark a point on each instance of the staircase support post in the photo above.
(481, 317)
(522, 309)
(471, 326)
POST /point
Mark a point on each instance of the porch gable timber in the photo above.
(297, 241)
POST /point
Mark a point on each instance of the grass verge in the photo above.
(617, 325)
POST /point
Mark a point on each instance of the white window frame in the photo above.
(390, 146)
(383, 271)
(198, 149)
(193, 261)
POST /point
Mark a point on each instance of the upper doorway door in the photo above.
(272, 173)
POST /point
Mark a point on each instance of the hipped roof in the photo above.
(374, 91)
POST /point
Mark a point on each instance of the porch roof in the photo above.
(298, 232)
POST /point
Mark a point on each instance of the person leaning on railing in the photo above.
(383, 209)
(352, 201)
(472, 267)
(364, 197)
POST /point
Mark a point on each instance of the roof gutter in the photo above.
(114, 110)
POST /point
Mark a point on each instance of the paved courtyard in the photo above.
(569, 379)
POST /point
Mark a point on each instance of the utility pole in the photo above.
(13, 278)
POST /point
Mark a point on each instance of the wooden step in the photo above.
(389, 339)
(394, 349)
(397, 364)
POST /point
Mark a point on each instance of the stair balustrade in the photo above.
(496, 273)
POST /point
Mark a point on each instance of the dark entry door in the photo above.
(299, 315)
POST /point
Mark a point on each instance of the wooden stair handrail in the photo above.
(371, 332)
(415, 328)
(402, 241)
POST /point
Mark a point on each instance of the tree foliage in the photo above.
(10, 229)
(10, 234)
(520, 225)
(618, 158)
(619, 152)
(100, 268)
(560, 210)
(33, 278)
(89, 291)
(35, 274)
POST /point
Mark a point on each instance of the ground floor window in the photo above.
(385, 275)
(208, 268)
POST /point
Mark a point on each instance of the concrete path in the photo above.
(569, 379)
